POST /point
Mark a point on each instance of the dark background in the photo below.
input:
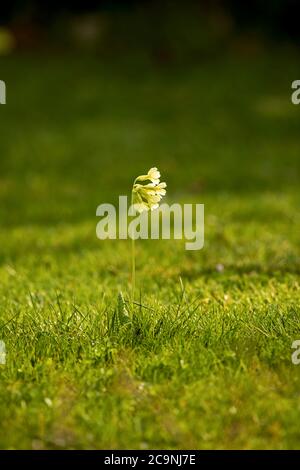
(165, 29)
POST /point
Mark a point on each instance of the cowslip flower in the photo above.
(147, 196)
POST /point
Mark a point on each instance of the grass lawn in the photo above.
(206, 362)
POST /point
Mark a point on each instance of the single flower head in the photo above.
(147, 196)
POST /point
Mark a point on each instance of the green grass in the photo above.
(205, 362)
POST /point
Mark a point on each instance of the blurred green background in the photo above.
(201, 90)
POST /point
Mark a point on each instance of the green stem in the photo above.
(133, 270)
(132, 263)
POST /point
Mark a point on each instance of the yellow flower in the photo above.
(153, 175)
(147, 196)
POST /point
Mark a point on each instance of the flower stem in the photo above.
(132, 262)
(133, 270)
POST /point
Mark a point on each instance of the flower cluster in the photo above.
(147, 196)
